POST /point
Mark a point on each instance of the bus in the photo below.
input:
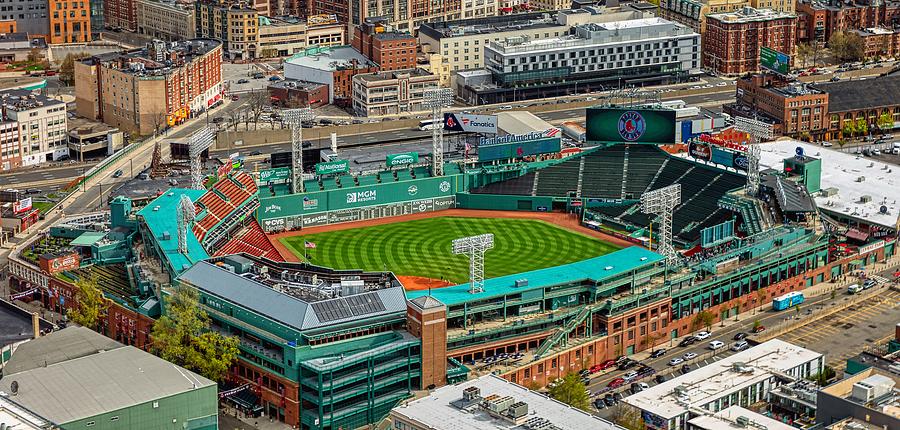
(430, 124)
(787, 301)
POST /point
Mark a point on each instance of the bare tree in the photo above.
(159, 119)
(256, 104)
(233, 118)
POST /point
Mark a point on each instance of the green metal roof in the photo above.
(88, 238)
(163, 220)
(595, 269)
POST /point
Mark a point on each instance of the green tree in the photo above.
(847, 46)
(822, 378)
(572, 392)
(756, 325)
(182, 336)
(704, 319)
(862, 126)
(849, 128)
(804, 51)
(885, 121)
(629, 417)
(91, 304)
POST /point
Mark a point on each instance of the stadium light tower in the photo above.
(295, 119)
(185, 216)
(662, 202)
(474, 247)
(199, 141)
(437, 99)
(757, 130)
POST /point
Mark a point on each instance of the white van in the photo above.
(716, 344)
(895, 148)
(853, 289)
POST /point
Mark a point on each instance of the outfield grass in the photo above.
(422, 247)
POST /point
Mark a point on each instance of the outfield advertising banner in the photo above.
(700, 151)
(506, 151)
(775, 61)
(740, 161)
(618, 125)
(318, 202)
(722, 157)
(403, 159)
(333, 167)
(470, 123)
(277, 175)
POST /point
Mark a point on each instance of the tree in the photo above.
(629, 417)
(847, 46)
(862, 126)
(822, 378)
(256, 105)
(34, 56)
(91, 304)
(704, 319)
(650, 340)
(804, 51)
(849, 128)
(756, 325)
(572, 392)
(885, 121)
(67, 70)
(182, 336)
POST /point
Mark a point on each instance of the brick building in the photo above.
(120, 14)
(795, 108)
(334, 67)
(235, 24)
(290, 93)
(880, 42)
(390, 49)
(819, 19)
(733, 40)
(394, 92)
(866, 100)
(405, 15)
(163, 85)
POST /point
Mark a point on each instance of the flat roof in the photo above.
(18, 418)
(103, 382)
(287, 309)
(718, 379)
(594, 269)
(329, 59)
(88, 238)
(15, 324)
(438, 411)
(67, 344)
(860, 94)
(726, 420)
(521, 122)
(841, 170)
(160, 218)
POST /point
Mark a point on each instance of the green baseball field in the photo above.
(422, 247)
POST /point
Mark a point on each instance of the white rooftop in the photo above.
(717, 379)
(521, 122)
(725, 420)
(18, 418)
(633, 23)
(437, 412)
(841, 170)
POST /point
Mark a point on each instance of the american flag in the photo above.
(308, 244)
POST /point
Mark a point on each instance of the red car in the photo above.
(603, 366)
(759, 329)
(616, 383)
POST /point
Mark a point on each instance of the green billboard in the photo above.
(623, 125)
(402, 159)
(775, 61)
(332, 167)
(277, 175)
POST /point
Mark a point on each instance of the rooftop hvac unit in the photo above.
(499, 404)
(472, 393)
(742, 421)
(865, 199)
(830, 192)
(518, 410)
(521, 283)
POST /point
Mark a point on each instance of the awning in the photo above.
(856, 263)
(857, 235)
(241, 396)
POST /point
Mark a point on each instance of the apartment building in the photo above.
(42, 127)
(387, 47)
(69, 21)
(235, 24)
(120, 14)
(880, 42)
(28, 16)
(819, 19)
(405, 15)
(796, 109)
(146, 90)
(394, 92)
(166, 20)
(10, 144)
(692, 13)
(461, 43)
(325, 30)
(733, 40)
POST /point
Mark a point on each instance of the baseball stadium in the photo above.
(529, 261)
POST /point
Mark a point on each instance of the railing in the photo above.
(563, 331)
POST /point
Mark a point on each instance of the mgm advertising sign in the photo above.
(622, 125)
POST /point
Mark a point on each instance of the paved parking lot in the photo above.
(232, 73)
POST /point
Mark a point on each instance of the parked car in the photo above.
(658, 353)
(740, 345)
(274, 78)
(256, 152)
(630, 376)
(685, 368)
(676, 361)
(740, 335)
(602, 366)
(688, 341)
(617, 397)
(37, 190)
(716, 344)
(637, 387)
(646, 370)
(609, 400)
(616, 383)
(507, 107)
(689, 356)
(118, 173)
(628, 364)
(584, 372)
(258, 75)
(235, 97)
(759, 329)
(660, 378)
(243, 81)
(869, 283)
(599, 403)
(702, 335)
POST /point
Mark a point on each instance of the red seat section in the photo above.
(236, 188)
(253, 241)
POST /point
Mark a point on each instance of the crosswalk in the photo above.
(879, 279)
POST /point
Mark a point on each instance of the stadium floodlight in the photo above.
(184, 217)
(295, 119)
(757, 130)
(474, 247)
(437, 99)
(662, 202)
(199, 141)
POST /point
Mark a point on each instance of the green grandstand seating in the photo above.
(559, 179)
(386, 176)
(329, 184)
(452, 169)
(404, 175)
(422, 172)
(367, 179)
(312, 185)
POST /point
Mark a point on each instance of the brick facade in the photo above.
(732, 42)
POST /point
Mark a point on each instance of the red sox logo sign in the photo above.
(631, 126)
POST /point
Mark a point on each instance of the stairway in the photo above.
(534, 186)
(656, 176)
(624, 171)
(580, 177)
(562, 333)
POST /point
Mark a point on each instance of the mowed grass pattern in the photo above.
(422, 247)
